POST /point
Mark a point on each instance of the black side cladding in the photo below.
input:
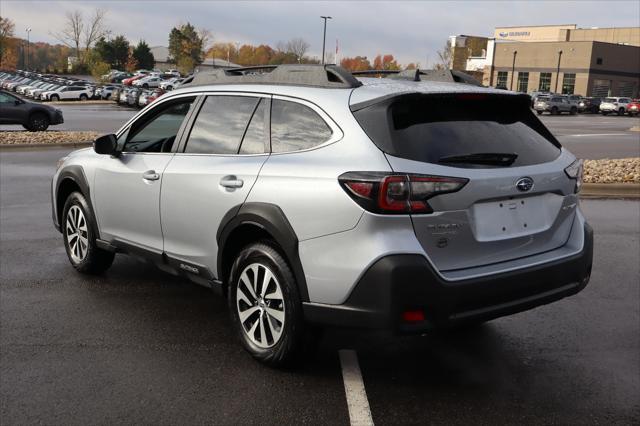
(431, 127)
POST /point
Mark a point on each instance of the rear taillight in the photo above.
(396, 193)
(575, 171)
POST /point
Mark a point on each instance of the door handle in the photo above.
(231, 182)
(150, 175)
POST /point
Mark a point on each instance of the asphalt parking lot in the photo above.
(140, 346)
(589, 136)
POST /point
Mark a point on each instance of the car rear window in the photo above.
(462, 130)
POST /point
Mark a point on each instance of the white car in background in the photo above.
(614, 105)
(148, 82)
(69, 93)
(170, 84)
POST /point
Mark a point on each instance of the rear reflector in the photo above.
(413, 316)
(380, 192)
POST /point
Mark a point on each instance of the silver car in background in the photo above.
(309, 197)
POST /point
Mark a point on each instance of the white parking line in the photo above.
(359, 411)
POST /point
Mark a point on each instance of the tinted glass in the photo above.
(447, 129)
(254, 138)
(295, 127)
(159, 133)
(6, 99)
(221, 124)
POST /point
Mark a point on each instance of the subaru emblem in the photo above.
(524, 184)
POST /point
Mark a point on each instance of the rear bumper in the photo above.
(398, 283)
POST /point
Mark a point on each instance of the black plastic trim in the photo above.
(273, 220)
(76, 174)
(397, 283)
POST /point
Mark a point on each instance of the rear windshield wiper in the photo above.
(489, 159)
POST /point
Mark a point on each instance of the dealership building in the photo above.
(558, 58)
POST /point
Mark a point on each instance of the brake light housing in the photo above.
(397, 193)
(575, 171)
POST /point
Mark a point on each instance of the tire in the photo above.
(621, 111)
(83, 97)
(145, 86)
(605, 113)
(573, 111)
(554, 111)
(38, 122)
(169, 88)
(54, 98)
(77, 221)
(279, 316)
(539, 112)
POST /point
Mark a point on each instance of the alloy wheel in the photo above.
(260, 305)
(77, 234)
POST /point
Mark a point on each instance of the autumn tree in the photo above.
(358, 63)
(143, 56)
(385, 62)
(8, 44)
(298, 47)
(80, 33)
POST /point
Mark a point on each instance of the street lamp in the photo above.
(513, 69)
(27, 64)
(324, 35)
(558, 70)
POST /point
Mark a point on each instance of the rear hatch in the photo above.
(518, 200)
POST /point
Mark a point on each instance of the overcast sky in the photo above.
(411, 30)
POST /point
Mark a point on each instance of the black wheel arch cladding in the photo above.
(271, 219)
(75, 174)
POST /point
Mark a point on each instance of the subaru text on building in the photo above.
(310, 197)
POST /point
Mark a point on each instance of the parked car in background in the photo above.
(155, 95)
(590, 104)
(172, 72)
(129, 81)
(32, 116)
(170, 84)
(614, 105)
(148, 82)
(555, 105)
(69, 93)
(633, 107)
(106, 91)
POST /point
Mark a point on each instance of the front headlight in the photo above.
(575, 171)
(60, 163)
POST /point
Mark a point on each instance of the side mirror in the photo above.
(106, 144)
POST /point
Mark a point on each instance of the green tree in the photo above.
(143, 56)
(186, 45)
(114, 52)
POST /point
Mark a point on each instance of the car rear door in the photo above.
(517, 202)
(212, 175)
(126, 188)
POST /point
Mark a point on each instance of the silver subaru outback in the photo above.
(308, 197)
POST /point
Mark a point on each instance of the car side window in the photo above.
(296, 127)
(254, 138)
(221, 124)
(157, 133)
(6, 99)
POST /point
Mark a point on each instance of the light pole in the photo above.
(558, 71)
(513, 69)
(324, 35)
(27, 64)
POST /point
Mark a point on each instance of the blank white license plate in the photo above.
(510, 218)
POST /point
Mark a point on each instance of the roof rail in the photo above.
(326, 76)
(451, 76)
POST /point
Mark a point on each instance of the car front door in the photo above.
(12, 109)
(211, 175)
(127, 187)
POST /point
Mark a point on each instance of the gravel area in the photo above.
(622, 170)
(48, 137)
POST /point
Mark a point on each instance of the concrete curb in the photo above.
(75, 102)
(30, 146)
(610, 190)
(635, 129)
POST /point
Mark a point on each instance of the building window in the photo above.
(523, 82)
(545, 82)
(501, 82)
(568, 84)
(599, 61)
